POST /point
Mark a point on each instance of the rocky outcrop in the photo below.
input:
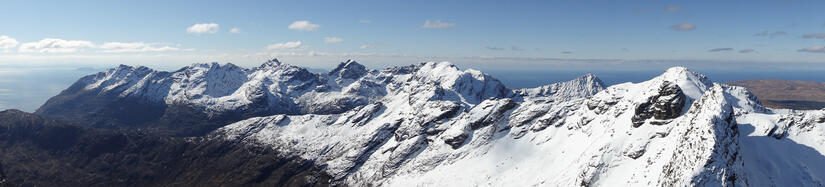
(667, 104)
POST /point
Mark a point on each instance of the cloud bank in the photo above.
(54, 45)
(134, 47)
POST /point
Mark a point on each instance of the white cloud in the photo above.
(365, 21)
(366, 46)
(333, 40)
(814, 49)
(7, 42)
(203, 28)
(285, 45)
(817, 36)
(437, 24)
(303, 26)
(120, 47)
(235, 30)
(683, 27)
(54, 45)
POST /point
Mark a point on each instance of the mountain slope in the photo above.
(41, 152)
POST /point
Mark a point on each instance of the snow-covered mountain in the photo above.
(434, 124)
(676, 129)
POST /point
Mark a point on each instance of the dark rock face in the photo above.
(667, 104)
(456, 141)
(349, 70)
(2, 175)
(41, 152)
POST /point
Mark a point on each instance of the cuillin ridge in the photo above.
(433, 123)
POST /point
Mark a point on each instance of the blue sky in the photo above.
(516, 35)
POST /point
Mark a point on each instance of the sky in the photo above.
(486, 35)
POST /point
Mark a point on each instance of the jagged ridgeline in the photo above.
(202, 97)
(434, 124)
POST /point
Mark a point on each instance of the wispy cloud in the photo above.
(747, 51)
(683, 27)
(815, 35)
(720, 49)
(673, 8)
(566, 52)
(771, 34)
(134, 47)
(286, 45)
(365, 21)
(367, 46)
(333, 40)
(235, 30)
(203, 28)
(7, 42)
(512, 48)
(494, 48)
(54, 45)
(813, 49)
(436, 24)
(303, 26)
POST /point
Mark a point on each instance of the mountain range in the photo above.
(429, 124)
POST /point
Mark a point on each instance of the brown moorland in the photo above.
(791, 94)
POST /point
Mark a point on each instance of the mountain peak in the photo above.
(692, 83)
(271, 63)
(349, 70)
(123, 66)
(274, 61)
(580, 87)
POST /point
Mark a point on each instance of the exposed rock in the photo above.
(667, 104)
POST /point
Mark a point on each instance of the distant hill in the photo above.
(777, 93)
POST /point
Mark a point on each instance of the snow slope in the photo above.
(434, 128)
